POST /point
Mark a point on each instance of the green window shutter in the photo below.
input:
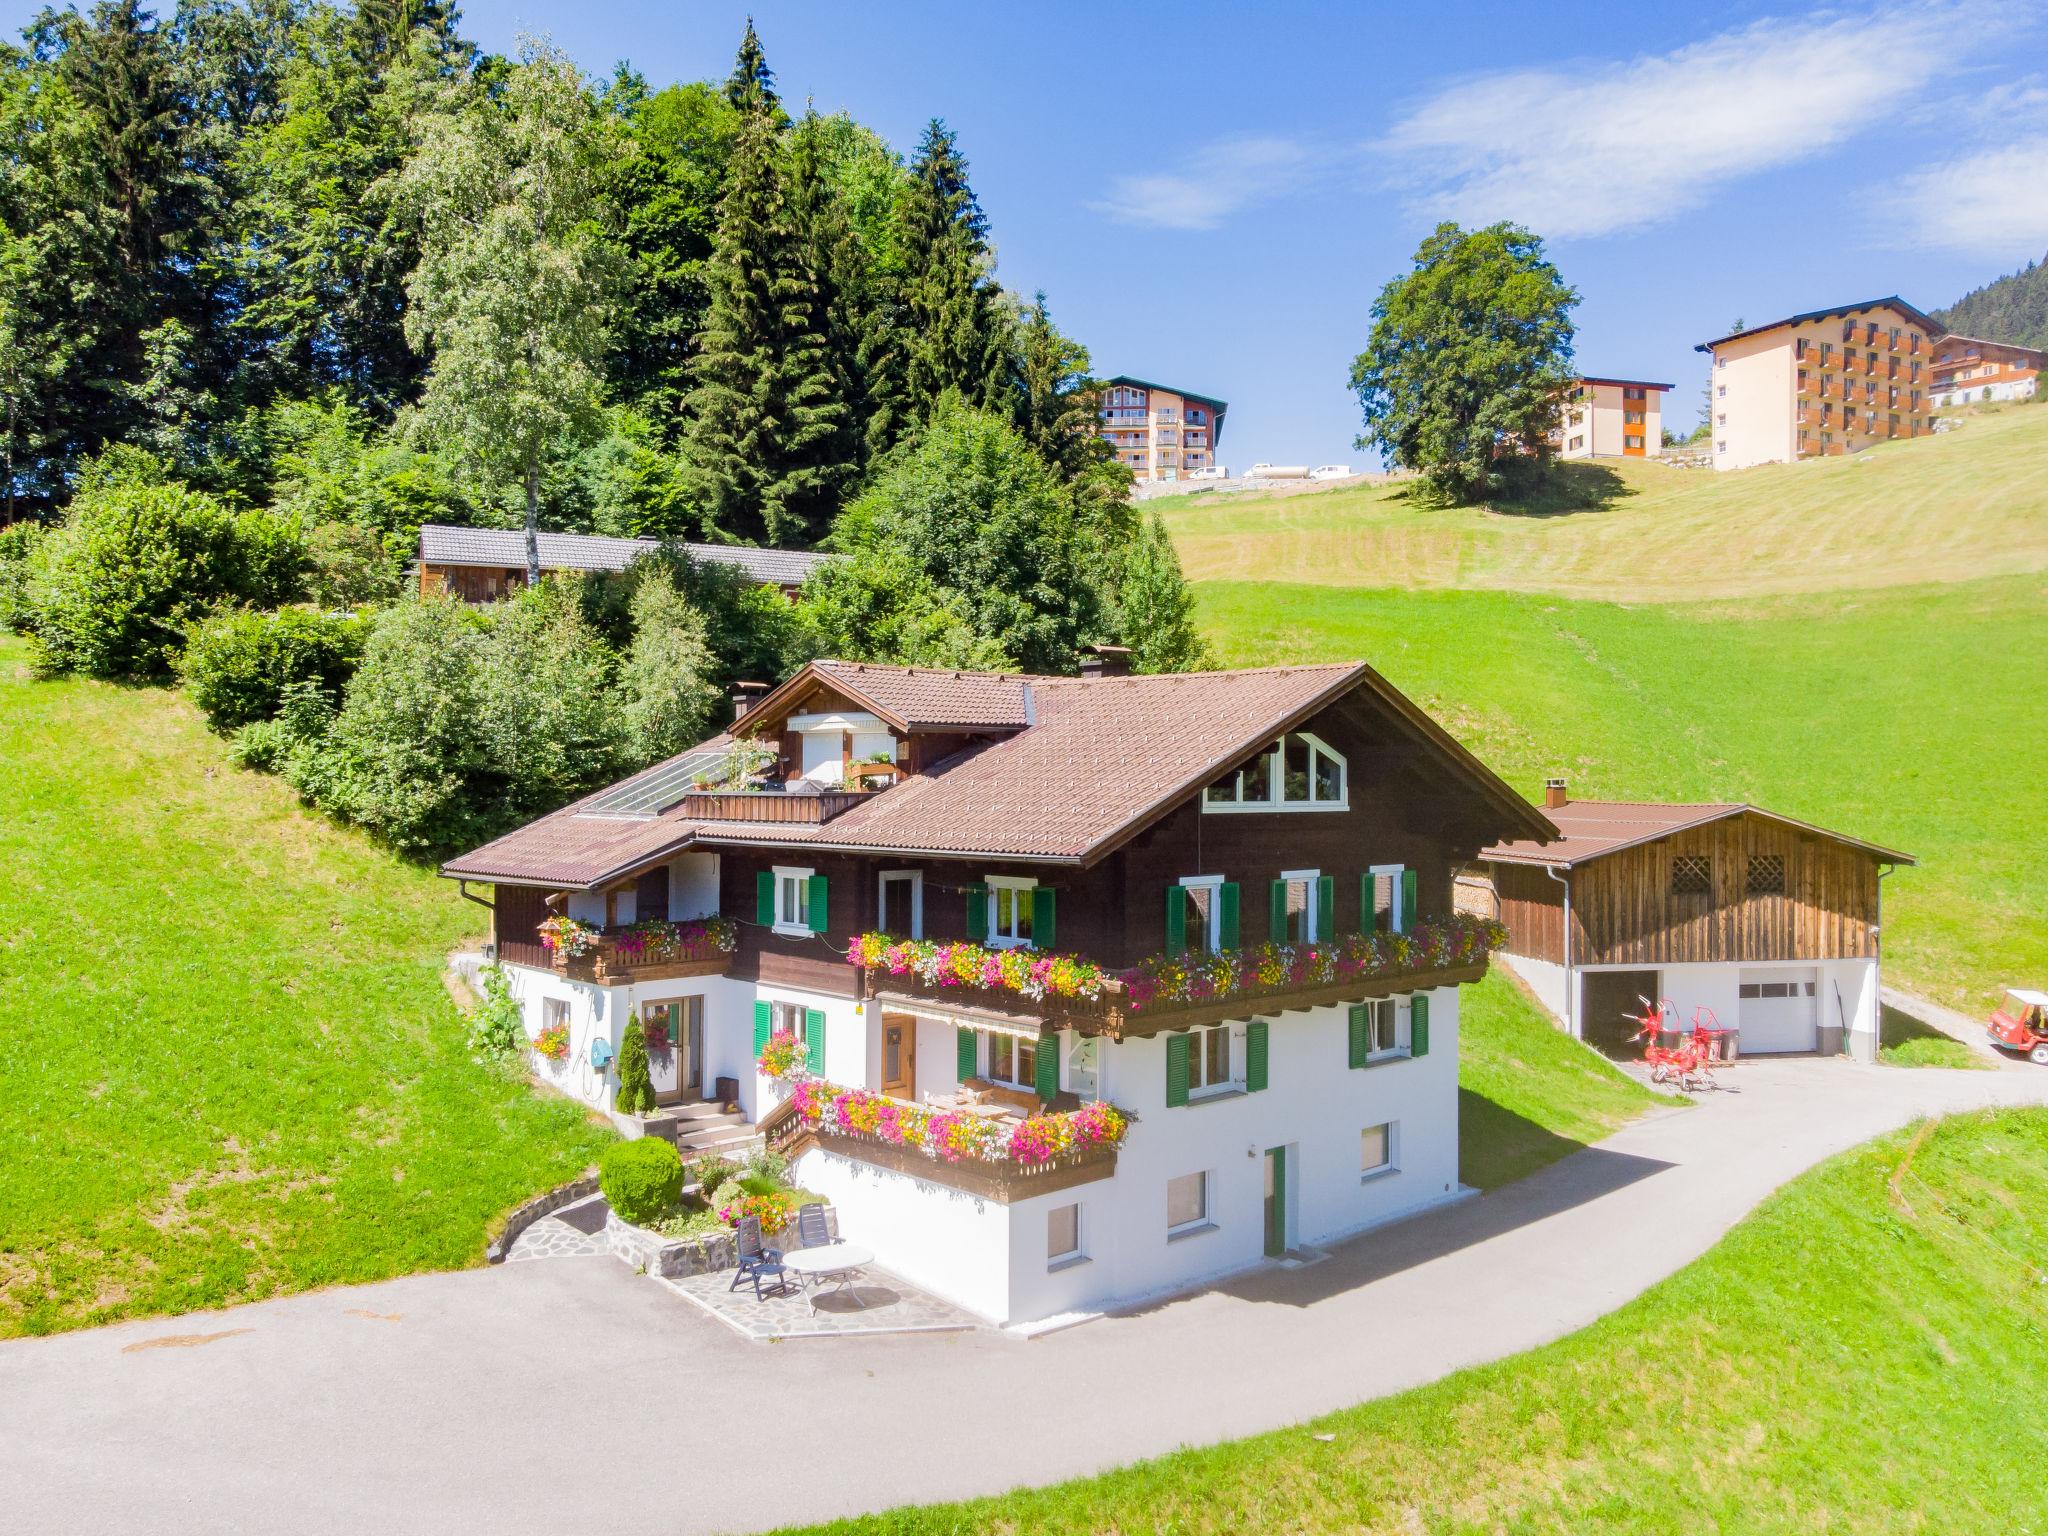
(814, 1040)
(763, 1023)
(1276, 913)
(1255, 1056)
(1409, 900)
(977, 913)
(966, 1063)
(1044, 928)
(1226, 900)
(1418, 1025)
(1368, 903)
(1176, 920)
(1326, 909)
(764, 898)
(817, 902)
(1045, 1077)
(1360, 1024)
(1176, 1071)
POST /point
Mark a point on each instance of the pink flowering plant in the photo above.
(784, 1055)
(657, 940)
(566, 936)
(954, 1136)
(1195, 978)
(1026, 972)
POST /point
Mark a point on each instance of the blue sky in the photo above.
(1211, 195)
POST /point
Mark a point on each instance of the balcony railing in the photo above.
(1168, 993)
(773, 805)
(650, 951)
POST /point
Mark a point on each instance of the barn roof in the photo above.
(1595, 828)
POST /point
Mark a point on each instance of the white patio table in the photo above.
(838, 1265)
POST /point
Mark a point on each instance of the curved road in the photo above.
(572, 1395)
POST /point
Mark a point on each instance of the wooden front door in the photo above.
(899, 1056)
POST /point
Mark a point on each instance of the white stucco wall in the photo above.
(1545, 979)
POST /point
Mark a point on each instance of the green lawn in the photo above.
(1911, 716)
(231, 1069)
(1861, 1357)
(1528, 1093)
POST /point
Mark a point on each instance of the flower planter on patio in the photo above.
(674, 1257)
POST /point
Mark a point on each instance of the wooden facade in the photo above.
(1773, 892)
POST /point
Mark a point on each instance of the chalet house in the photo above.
(482, 565)
(994, 909)
(1750, 920)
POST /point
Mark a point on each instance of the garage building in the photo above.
(1737, 916)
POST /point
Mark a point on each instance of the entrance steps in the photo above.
(705, 1128)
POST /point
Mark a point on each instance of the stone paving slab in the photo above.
(573, 1232)
(886, 1305)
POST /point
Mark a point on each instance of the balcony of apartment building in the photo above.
(1165, 416)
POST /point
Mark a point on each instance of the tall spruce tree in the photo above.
(957, 329)
(769, 426)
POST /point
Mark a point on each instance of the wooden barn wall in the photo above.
(1532, 907)
(1623, 911)
(517, 911)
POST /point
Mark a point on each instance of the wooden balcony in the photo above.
(647, 952)
(772, 805)
(1003, 1182)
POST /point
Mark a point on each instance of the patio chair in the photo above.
(811, 1228)
(758, 1262)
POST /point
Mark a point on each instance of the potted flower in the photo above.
(552, 1043)
(567, 938)
(783, 1056)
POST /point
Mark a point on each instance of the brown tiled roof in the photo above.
(912, 698)
(1594, 828)
(1098, 761)
(444, 544)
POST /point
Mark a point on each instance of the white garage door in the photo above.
(1777, 1010)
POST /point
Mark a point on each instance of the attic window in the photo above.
(1692, 874)
(1299, 772)
(1766, 875)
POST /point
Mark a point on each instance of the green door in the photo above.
(1276, 1202)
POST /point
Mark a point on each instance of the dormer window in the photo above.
(1299, 772)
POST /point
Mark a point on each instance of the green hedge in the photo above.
(239, 663)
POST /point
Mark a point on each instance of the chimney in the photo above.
(745, 696)
(1553, 794)
(1105, 661)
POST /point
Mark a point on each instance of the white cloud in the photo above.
(1224, 177)
(1600, 148)
(1992, 202)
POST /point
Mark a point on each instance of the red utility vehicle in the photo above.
(2021, 1024)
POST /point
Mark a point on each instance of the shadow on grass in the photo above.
(1580, 486)
(1402, 1245)
(1496, 1146)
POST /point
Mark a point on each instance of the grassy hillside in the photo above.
(230, 1066)
(1912, 717)
(1861, 1356)
(1963, 505)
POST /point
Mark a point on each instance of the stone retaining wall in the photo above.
(524, 1216)
(674, 1257)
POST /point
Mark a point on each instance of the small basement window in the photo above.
(1692, 874)
(1063, 1236)
(1766, 875)
(1187, 1203)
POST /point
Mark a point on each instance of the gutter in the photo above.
(1571, 991)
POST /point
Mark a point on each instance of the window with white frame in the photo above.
(1387, 1028)
(1376, 1150)
(1010, 1060)
(901, 907)
(1063, 1236)
(1302, 920)
(1009, 911)
(1299, 772)
(1388, 913)
(788, 1019)
(554, 1011)
(1084, 1066)
(1212, 1061)
(1202, 907)
(792, 900)
(1187, 1203)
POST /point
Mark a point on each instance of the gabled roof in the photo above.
(1595, 828)
(1095, 762)
(909, 698)
(1624, 383)
(442, 544)
(1987, 341)
(1928, 322)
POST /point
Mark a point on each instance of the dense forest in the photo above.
(2012, 308)
(281, 280)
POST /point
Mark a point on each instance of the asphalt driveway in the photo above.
(571, 1395)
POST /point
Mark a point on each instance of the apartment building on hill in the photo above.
(1160, 433)
(1830, 381)
(1610, 418)
(1969, 369)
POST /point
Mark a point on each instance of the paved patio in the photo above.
(885, 1304)
(574, 1232)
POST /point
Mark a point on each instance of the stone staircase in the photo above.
(697, 1129)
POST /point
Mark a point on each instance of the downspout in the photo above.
(1571, 989)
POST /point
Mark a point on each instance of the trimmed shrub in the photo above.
(636, 1087)
(640, 1179)
(114, 589)
(238, 664)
